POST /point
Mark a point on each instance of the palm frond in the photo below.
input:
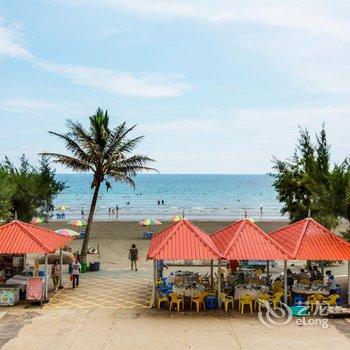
(70, 162)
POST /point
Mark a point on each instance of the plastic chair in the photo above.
(319, 282)
(313, 300)
(263, 297)
(199, 301)
(161, 298)
(226, 300)
(331, 300)
(246, 299)
(177, 300)
(275, 300)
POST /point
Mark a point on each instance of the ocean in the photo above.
(201, 197)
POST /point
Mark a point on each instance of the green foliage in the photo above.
(106, 153)
(306, 182)
(30, 191)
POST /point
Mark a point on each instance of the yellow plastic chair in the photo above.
(226, 300)
(199, 301)
(331, 300)
(263, 297)
(161, 298)
(275, 300)
(304, 281)
(258, 272)
(277, 287)
(246, 299)
(176, 299)
(314, 299)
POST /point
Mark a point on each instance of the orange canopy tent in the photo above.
(18, 237)
(180, 241)
(309, 240)
(244, 240)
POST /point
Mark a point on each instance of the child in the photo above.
(133, 256)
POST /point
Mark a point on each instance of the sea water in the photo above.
(207, 197)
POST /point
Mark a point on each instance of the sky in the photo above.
(215, 86)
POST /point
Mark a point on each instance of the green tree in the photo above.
(105, 152)
(31, 190)
(306, 182)
(6, 192)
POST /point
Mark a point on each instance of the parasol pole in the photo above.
(285, 282)
(211, 272)
(61, 265)
(46, 279)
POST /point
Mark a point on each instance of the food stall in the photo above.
(16, 240)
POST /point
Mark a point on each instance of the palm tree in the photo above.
(104, 152)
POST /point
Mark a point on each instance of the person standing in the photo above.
(75, 272)
(133, 256)
(160, 266)
(331, 283)
(55, 274)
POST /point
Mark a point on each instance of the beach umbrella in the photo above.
(62, 208)
(77, 223)
(37, 221)
(251, 219)
(150, 222)
(176, 218)
(67, 233)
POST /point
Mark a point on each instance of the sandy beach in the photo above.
(110, 309)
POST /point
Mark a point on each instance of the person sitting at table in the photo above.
(290, 279)
(303, 275)
(331, 283)
(317, 273)
(311, 273)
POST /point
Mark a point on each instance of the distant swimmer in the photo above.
(162, 201)
(158, 202)
(128, 203)
(82, 212)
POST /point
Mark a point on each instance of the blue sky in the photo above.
(216, 86)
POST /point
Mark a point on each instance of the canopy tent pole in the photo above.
(285, 282)
(46, 279)
(219, 283)
(153, 296)
(61, 265)
(211, 272)
(322, 268)
(348, 282)
(267, 273)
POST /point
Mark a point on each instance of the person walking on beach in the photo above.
(55, 274)
(75, 272)
(133, 256)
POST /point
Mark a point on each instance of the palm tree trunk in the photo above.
(85, 246)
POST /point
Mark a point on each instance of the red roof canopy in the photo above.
(182, 240)
(20, 238)
(309, 240)
(243, 240)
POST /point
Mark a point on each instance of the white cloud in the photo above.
(149, 85)
(26, 106)
(11, 42)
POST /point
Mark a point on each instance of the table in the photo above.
(239, 291)
(188, 292)
(20, 280)
(300, 290)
